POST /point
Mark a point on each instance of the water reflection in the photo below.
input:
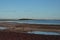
(44, 33)
(3, 28)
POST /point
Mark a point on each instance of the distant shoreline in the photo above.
(38, 19)
(25, 19)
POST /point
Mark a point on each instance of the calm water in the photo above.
(41, 21)
(55, 22)
(44, 33)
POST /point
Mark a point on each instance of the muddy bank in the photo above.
(25, 36)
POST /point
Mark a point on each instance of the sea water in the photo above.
(53, 22)
(44, 33)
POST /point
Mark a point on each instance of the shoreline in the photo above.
(22, 27)
(18, 31)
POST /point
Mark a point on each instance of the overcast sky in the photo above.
(39, 9)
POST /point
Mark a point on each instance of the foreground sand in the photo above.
(25, 36)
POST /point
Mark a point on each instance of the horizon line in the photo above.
(31, 18)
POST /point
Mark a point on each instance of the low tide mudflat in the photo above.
(18, 31)
(30, 27)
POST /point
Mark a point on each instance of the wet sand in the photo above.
(25, 36)
(15, 31)
(20, 27)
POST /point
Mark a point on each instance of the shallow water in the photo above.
(44, 33)
(3, 28)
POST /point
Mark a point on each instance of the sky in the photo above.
(36, 9)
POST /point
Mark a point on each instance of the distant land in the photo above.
(25, 19)
(8, 19)
(36, 19)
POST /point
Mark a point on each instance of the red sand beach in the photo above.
(25, 36)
